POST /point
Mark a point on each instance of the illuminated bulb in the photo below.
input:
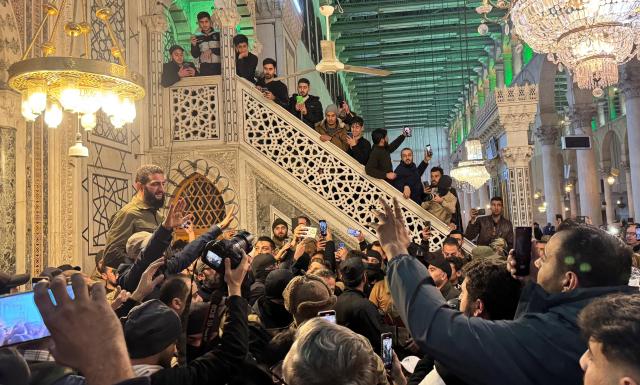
(483, 29)
(27, 113)
(88, 121)
(566, 209)
(611, 180)
(110, 103)
(117, 121)
(90, 101)
(53, 115)
(536, 195)
(37, 99)
(70, 98)
(128, 110)
(488, 207)
(618, 202)
(542, 208)
(598, 92)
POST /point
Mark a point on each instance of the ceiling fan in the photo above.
(329, 64)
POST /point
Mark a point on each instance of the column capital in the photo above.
(548, 134)
(226, 13)
(517, 156)
(10, 115)
(156, 23)
(630, 79)
(580, 116)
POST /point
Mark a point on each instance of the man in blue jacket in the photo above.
(542, 345)
(409, 177)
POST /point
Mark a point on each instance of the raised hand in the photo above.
(228, 218)
(176, 215)
(391, 229)
(121, 297)
(147, 282)
(234, 277)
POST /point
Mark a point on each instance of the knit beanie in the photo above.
(150, 328)
(482, 252)
(261, 266)
(276, 283)
(331, 108)
(279, 221)
(351, 271)
(441, 263)
(307, 295)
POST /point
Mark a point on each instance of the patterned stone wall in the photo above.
(7, 199)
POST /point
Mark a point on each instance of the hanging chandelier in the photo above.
(472, 171)
(591, 38)
(52, 85)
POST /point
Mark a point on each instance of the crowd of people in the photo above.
(292, 308)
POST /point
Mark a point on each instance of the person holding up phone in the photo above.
(176, 68)
(359, 146)
(632, 237)
(305, 106)
(409, 176)
(379, 164)
(490, 227)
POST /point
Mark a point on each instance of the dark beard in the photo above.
(151, 199)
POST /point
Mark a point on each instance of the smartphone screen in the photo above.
(407, 131)
(312, 232)
(323, 227)
(522, 252)
(341, 245)
(637, 234)
(20, 319)
(581, 219)
(482, 211)
(428, 148)
(387, 350)
(353, 232)
(329, 315)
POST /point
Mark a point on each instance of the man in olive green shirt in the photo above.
(141, 214)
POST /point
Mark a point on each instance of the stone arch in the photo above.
(11, 49)
(611, 150)
(184, 171)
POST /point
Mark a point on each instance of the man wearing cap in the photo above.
(353, 309)
(440, 271)
(246, 62)
(332, 129)
(141, 214)
(305, 106)
(269, 308)
(9, 281)
(280, 230)
(176, 68)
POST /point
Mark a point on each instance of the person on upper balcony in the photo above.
(246, 62)
(332, 129)
(456, 220)
(440, 201)
(359, 147)
(176, 68)
(379, 164)
(344, 112)
(305, 106)
(490, 227)
(272, 89)
(205, 47)
(409, 177)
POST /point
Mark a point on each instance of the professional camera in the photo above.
(215, 252)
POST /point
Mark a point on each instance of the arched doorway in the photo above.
(203, 200)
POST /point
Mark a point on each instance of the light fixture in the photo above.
(618, 202)
(542, 208)
(472, 171)
(566, 209)
(75, 84)
(536, 195)
(568, 187)
(611, 180)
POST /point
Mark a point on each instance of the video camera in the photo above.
(215, 252)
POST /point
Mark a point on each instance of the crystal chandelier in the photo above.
(51, 85)
(591, 38)
(472, 171)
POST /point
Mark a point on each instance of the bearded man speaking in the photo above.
(141, 214)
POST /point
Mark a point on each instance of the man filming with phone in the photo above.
(305, 106)
(487, 228)
(408, 175)
(631, 237)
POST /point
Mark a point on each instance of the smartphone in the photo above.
(637, 234)
(522, 250)
(482, 212)
(341, 245)
(429, 150)
(299, 99)
(323, 227)
(329, 315)
(312, 232)
(406, 131)
(353, 232)
(581, 219)
(20, 319)
(340, 101)
(387, 350)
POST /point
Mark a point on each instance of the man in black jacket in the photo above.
(379, 164)
(176, 68)
(353, 309)
(205, 46)
(304, 106)
(359, 146)
(246, 62)
(274, 90)
(489, 227)
(542, 345)
(409, 177)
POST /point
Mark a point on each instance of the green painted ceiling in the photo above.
(432, 47)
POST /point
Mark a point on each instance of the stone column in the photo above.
(548, 137)
(156, 25)
(483, 194)
(590, 205)
(226, 17)
(517, 161)
(630, 85)
(467, 207)
(602, 119)
(499, 75)
(475, 199)
(627, 179)
(573, 199)
(517, 61)
(10, 120)
(609, 203)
